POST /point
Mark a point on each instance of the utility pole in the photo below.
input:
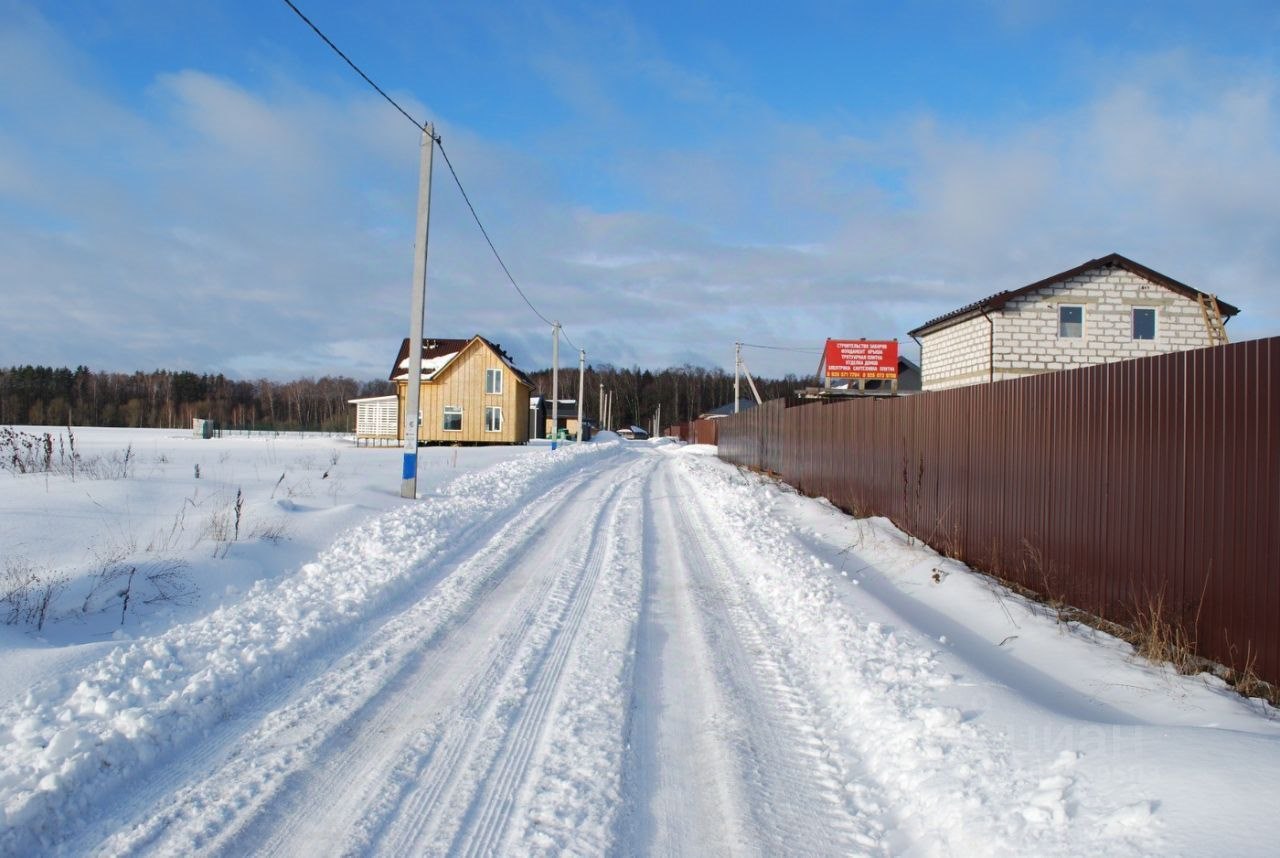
(746, 370)
(582, 379)
(417, 318)
(737, 367)
(600, 404)
(555, 384)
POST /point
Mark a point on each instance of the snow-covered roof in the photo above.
(538, 400)
(438, 354)
(430, 366)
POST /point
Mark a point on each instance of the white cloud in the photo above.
(265, 228)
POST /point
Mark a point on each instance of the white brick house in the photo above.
(1105, 310)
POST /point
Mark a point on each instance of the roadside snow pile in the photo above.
(77, 734)
(956, 788)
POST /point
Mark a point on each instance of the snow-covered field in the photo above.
(612, 648)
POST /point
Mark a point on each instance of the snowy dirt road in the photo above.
(633, 649)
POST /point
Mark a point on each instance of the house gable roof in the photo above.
(1114, 260)
(727, 409)
(439, 355)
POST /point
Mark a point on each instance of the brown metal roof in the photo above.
(431, 349)
(437, 348)
(1114, 260)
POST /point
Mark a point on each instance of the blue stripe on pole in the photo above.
(410, 466)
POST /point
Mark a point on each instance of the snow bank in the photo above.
(83, 732)
(955, 787)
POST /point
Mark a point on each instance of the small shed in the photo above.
(566, 418)
(376, 419)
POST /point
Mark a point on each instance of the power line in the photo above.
(489, 241)
(781, 348)
(420, 126)
(440, 143)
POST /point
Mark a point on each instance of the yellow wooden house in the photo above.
(472, 393)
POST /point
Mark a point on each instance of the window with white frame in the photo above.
(492, 418)
(1070, 321)
(1144, 323)
(493, 381)
(453, 418)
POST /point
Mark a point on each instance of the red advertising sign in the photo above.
(862, 359)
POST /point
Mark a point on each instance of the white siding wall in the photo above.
(1026, 338)
(376, 418)
(955, 356)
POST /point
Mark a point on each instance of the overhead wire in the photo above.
(781, 348)
(440, 143)
(420, 126)
(489, 241)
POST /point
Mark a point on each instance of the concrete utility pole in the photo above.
(555, 383)
(737, 367)
(746, 370)
(417, 319)
(582, 379)
(600, 406)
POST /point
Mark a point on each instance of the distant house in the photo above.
(908, 380)
(727, 409)
(1107, 309)
(471, 393)
(566, 417)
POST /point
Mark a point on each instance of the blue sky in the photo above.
(207, 187)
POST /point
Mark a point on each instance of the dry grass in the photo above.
(1046, 590)
(27, 593)
(947, 540)
(1159, 637)
(1245, 678)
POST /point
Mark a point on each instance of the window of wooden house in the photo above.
(452, 418)
(1070, 321)
(493, 381)
(1144, 323)
(492, 418)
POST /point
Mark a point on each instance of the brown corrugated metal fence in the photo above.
(694, 431)
(1107, 487)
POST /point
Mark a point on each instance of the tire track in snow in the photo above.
(501, 784)
(360, 781)
(728, 758)
(463, 799)
(573, 795)
(953, 786)
(227, 808)
(832, 768)
(682, 781)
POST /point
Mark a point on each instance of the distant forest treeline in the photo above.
(45, 396)
(684, 391)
